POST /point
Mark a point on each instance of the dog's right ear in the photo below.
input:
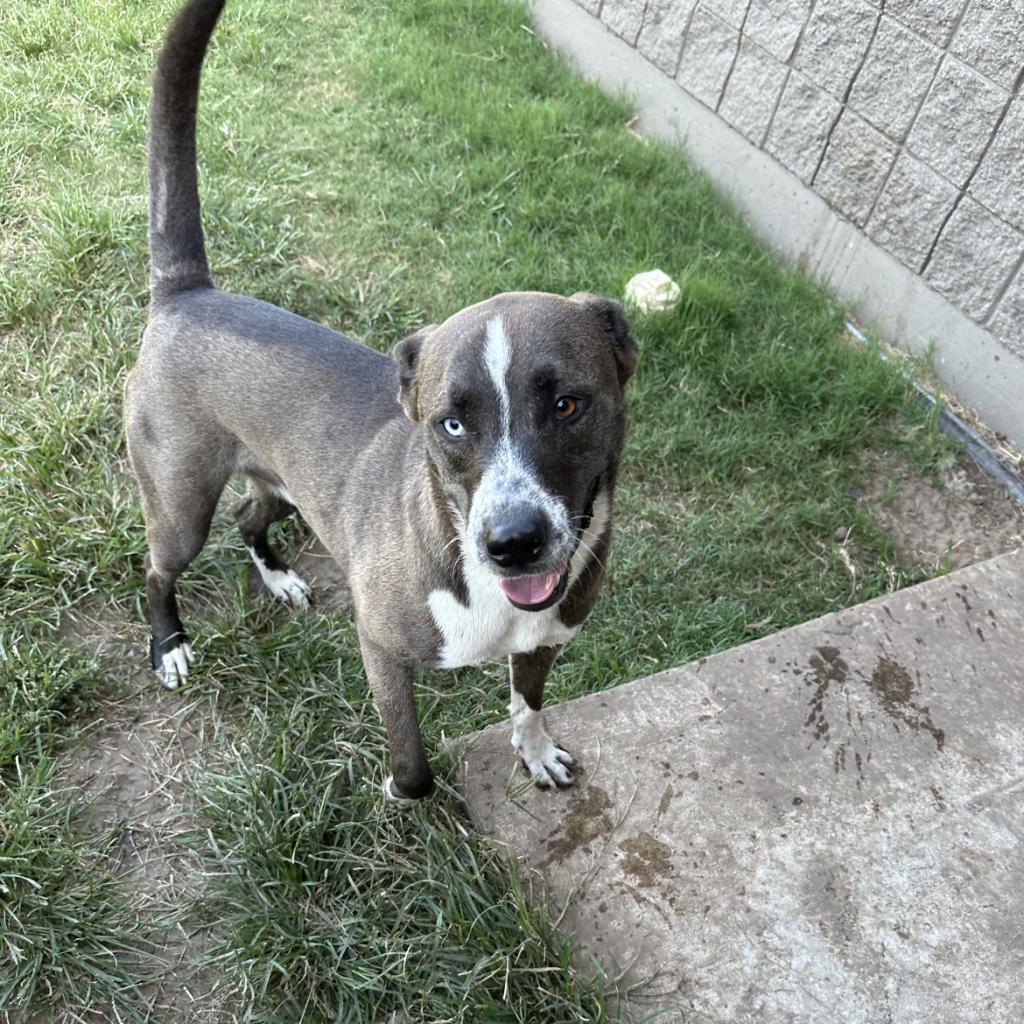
(406, 355)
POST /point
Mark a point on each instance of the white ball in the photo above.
(653, 292)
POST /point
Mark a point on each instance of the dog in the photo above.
(464, 485)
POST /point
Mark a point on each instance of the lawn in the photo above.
(374, 167)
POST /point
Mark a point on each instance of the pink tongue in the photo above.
(531, 589)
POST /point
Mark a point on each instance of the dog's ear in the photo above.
(613, 322)
(406, 355)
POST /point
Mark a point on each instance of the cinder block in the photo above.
(775, 24)
(661, 38)
(732, 12)
(910, 211)
(800, 129)
(834, 43)
(624, 18)
(999, 183)
(854, 168)
(973, 258)
(934, 19)
(990, 38)
(752, 91)
(894, 78)
(956, 121)
(1007, 323)
(708, 53)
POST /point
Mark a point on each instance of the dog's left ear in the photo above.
(612, 319)
(406, 355)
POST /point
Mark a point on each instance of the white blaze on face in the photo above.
(496, 359)
(508, 479)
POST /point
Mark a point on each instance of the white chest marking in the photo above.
(490, 628)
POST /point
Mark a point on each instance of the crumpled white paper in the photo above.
(653, 292)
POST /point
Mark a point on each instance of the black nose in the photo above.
(517, 541)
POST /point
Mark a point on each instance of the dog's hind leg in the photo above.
(255, 513)
(180, 485)
(169, 649)
(177, 530)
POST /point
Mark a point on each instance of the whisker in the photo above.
(586, 547)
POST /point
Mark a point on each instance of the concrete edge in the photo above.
(798, 224)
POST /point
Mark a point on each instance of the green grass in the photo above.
(374, 167)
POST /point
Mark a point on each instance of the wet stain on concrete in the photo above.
(827, 667)
(586, 821)
(647, 859)
(891, 684)
(840, 761)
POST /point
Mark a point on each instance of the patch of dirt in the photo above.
(967, 518)
(132, 763)
(647, 859)
(319, 569)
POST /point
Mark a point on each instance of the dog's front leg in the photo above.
(391, 681)
(544, 759)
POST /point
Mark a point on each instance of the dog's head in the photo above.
(521, 402)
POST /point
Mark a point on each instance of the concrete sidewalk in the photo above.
(821, 826)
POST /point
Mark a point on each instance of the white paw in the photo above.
(287, 586)
(548, 764)
(174, 665)
(403, 803)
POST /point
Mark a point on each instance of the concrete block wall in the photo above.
(905, 116)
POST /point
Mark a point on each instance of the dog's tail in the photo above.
(177, 254)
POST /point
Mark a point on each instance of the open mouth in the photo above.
(534, 593)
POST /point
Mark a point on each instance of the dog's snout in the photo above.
(517, 541)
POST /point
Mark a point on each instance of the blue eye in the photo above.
(453, 427)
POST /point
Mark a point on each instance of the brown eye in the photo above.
(565, 407)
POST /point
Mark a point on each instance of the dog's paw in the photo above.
(285, 584)
(403, 803)
(173, 668)
(548, 764)
(289, 587)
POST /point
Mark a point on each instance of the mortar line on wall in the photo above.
(901, 146)
(682, 44)
(789, 73)
(1003, 289)
(944, 47)
(967, 185)
(960, 191)
(967, 64)
(775, 109)
(643, 19)
(735, 58)
(846, 95)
